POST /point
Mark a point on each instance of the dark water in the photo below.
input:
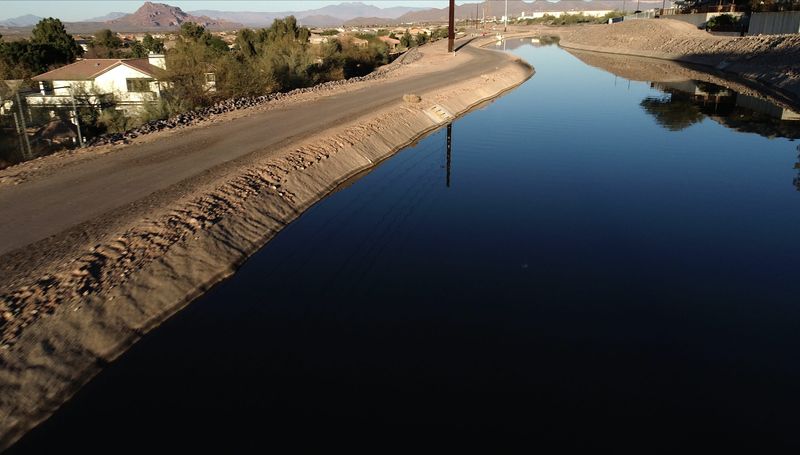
(613, 265)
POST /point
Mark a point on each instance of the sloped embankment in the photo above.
(128, 285)
(773, 60)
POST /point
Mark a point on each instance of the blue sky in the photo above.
(69, 10)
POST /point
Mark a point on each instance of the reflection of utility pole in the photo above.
(796, 179)
(451, 34)
(505, 23)
(24, 129)
(449, 146)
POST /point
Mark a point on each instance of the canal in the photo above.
(600, 262)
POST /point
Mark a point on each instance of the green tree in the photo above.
(198, 34)
(106, 44)
(24, 59)
(246, 42)
(138, 50)
(108, 39)
(51, 32)
(187, 64)
(194, 32)
(406, 40)
(217, 44)
(154, 45)
(421, 39)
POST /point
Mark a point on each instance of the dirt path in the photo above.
(102, 247)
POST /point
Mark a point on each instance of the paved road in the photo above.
(40, 208)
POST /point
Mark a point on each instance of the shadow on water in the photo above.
(583, 262)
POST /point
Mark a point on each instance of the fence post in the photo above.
(77, 118)
(24, 130)
(19, 136)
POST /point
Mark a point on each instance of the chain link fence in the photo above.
(30, 131)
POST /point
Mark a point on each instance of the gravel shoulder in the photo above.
(127, 236)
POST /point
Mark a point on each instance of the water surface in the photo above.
(611, 263)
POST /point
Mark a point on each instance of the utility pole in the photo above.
(451, 35)
(505, 23)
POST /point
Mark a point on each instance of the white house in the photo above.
(125, 82)
(540, 14)
(318, 39)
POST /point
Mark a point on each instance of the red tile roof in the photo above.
(90, 68)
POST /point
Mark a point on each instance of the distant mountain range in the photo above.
(159, 16)
(326, 16)
(22, 21)
(107, 17)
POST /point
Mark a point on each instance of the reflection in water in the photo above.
(540, 41)
(796, 180)
(688, 102)
(449, 144)
(672, 112)
(729, 102)
(685, 103)
(635, 291)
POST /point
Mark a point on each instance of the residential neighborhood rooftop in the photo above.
(90, 68)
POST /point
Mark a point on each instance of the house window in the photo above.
(46, 88)
(138, 85)
(211, 77)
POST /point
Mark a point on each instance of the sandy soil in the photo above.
(773, 61)
(62, 325)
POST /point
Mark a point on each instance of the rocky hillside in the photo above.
(160, 15)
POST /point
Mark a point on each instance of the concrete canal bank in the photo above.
(62, 326)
